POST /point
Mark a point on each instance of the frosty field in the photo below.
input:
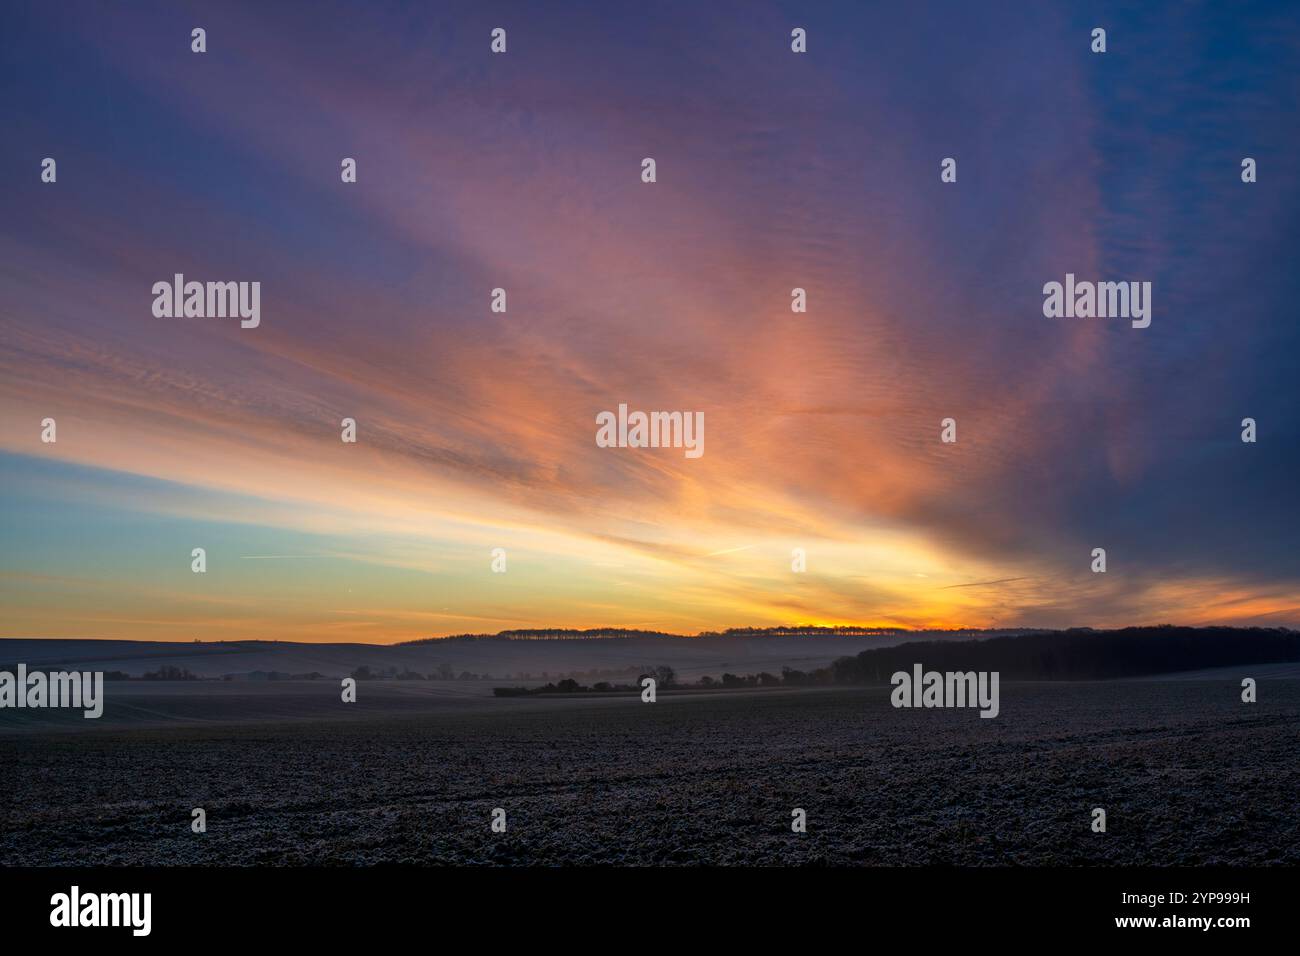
(1187, 774)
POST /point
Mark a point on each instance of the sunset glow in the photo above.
(476, 430)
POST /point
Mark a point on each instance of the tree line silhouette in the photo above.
(1075, 654)
(1080, 654)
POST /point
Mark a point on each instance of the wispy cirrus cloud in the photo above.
(476, 429)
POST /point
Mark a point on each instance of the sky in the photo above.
(774, 170)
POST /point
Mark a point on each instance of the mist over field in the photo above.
(501, 658)
(544, 655)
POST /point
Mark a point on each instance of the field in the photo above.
(1186, 772)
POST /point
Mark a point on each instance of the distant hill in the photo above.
(606, 633)
(517, 656)
(852, 655)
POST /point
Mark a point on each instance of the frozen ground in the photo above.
(1186, 772)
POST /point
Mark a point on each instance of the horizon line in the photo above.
(594, 633)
